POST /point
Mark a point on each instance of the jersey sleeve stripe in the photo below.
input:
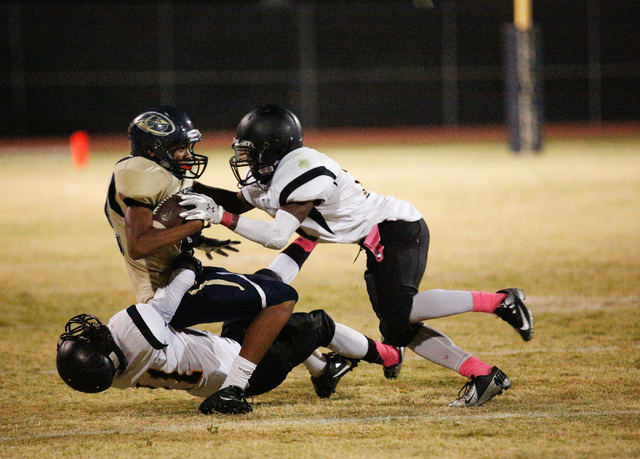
(144, 328)
(301, 180)
(111, 201)
(316, 216)
(133, 203)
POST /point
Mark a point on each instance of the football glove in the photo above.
(186, 260)
(209, 245)
(189, 242)
(204, 208)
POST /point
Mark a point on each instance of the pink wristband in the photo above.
(306, 244)
(226, 219)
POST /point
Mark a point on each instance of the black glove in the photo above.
(186, 260)
(209, 245)
(189, 242)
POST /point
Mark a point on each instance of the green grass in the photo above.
(564, 226)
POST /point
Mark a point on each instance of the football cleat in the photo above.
(481, 389)
(393, 371)
(513, 311)
(229, 400)
(337, 366)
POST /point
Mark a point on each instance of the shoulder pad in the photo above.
(304, 175)
(144, 181)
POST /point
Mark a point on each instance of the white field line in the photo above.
(216, 422)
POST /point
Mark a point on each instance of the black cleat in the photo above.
(513, 311)
(393, 371)
(481, 389)
(229, 400)
(337, 366)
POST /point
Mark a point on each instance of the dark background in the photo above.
(94, 66)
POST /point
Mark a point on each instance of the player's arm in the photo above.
(143, 240)
(232, 201)
(167, 299)
(273, 234)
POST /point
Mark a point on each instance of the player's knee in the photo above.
(281, 293)
(323, 322)
(283, 309)
(268, 273)
(398, 333)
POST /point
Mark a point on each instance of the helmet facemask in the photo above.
(264, 136)
(262, 164)
(191, 167)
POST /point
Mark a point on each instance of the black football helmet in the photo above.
(162, 131)
(264, 136)
(88, 358)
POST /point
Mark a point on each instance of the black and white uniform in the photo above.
(393, 231)
(162, 356)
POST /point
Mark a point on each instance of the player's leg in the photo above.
(392, 285)
(507, 304)
(296, 343)
(220, 295)
(299, 338)
(349, 346)
(261, 333)
(485, 381)
(393, 280)
(406, 246)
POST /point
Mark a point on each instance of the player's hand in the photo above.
(186, 260)
(204, 208)
(216, 245)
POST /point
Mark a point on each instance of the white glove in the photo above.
(204, 208)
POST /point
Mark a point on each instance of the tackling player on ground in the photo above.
(138, 348)
(307, 192)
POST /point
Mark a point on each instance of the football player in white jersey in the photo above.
(139, 348)
(309, 193)
(162, 163)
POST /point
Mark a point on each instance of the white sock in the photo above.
(438, 348)
(239, 374)
(315, 363)
(348, 342)
(432, 304)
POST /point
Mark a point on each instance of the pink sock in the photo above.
(487, 302)
(473, 366)
(390, 355)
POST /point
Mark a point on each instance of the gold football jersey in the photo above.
(140, 181)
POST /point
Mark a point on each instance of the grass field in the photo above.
(564, 226)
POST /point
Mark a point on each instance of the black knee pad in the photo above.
(398, 335)
(326, 325)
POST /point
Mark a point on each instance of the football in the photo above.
(167, 212)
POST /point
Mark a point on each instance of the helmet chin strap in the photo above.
(118, 359)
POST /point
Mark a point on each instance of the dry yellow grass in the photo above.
(564, 226)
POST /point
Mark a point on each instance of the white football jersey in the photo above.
(141, 180)
(345, 212)
(159, 356)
